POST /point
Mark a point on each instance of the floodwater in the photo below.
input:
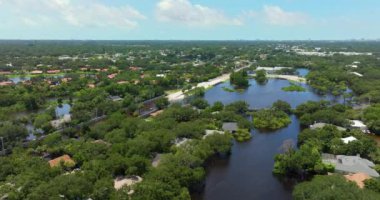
(247, 173)
(62, 110)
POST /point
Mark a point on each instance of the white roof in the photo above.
(348, 139)
(358, 124)
(357, 74)
(212, 132)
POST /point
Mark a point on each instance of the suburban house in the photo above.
(231, 127)
(350, 164)
(212, 132)
(121, 182)
(115, 98)
(357, 124)
(6, 83)
(66, 159)
(59, 122)
(321, 125)
(348, 139)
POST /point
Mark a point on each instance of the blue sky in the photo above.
(190, 19)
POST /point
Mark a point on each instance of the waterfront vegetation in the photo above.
(332, 187)
(239, 79)
(294, 88)
(324, 111)
(261, 77)
(242, 135)
(371, 116)
(271, 119)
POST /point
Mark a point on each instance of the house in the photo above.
(160, 75)
(350, 164)
(356, 74)
(181, 141)
(115, 98)
(212, 132)
(4, 73)
(112, 76)
(357, 124)
(231, 127)
(122, 82)
(53, 71)
(6, 83)
(66, 159)
(36, 72)
(59, 122)
(358, 178)
(348, 139)
(91, 85)
(321, 125)
(121, 182)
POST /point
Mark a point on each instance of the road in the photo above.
(178, 96)
(288, 77)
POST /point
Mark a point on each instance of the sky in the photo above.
(190, 19)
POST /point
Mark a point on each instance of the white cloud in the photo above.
(277, 16)
(28, 21)
(184, 12)
(75, 13)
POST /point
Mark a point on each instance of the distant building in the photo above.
(66, 159)
(37, 72)
(348, 139)
(121, 182)
(350, 164)
(321, 125)
(212, 132)
(53, 71)
(6, 83)
(115, 98)
(357, 124)
(356, 74)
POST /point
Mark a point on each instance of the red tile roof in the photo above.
(57, 161)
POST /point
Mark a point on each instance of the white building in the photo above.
(348, 139)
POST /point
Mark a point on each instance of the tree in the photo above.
(162, 102)
(270, 119)
(239, 79)
(242, 135)
(331, 187)
(218, 106)
(283, 106)
(199, 103)
(261, 76)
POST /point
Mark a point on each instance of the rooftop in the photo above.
(212, 132)
(348, 139)
(321, 125)
(230, 126)
(350, 164)
(66, 159)
(121, 182)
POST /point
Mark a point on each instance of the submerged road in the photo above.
(178, 96)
